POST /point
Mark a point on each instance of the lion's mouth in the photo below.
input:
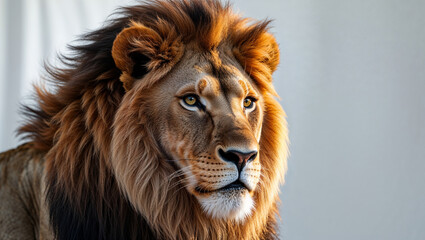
(236, 185)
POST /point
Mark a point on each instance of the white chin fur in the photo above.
(232, 205)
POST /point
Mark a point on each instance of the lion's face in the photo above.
(210, 124)
(186, 135)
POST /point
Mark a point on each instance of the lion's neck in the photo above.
(113, 217)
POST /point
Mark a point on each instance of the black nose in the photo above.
(238, 158)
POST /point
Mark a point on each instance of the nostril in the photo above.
(253, 156)
(228, 156)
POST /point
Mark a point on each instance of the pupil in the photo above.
(190, 100)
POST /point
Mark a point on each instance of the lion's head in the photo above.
(167, 118)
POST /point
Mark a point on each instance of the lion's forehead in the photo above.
(228, 78)
(210, 77)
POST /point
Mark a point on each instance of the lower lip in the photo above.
(233, 187)
(224, 189)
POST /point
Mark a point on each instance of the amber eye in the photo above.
(248, 103)
(190, 100)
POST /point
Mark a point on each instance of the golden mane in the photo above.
(74, 126)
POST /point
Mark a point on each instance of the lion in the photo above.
(163, 124)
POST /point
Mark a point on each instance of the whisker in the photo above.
(177, 190)
(175, 175)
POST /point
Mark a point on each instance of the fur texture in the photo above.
(113, 171)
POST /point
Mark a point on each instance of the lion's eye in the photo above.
(190, 100)
(248, 102)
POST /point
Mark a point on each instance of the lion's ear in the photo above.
(255, 45)
(273, 53)
(138, 50)
(257, 51)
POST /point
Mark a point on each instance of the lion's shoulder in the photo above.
(21, 174)
(20, 160)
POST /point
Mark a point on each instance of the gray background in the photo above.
(351, 78)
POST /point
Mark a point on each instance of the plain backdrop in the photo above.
(351, 78)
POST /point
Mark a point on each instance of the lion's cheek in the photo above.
(176, 147)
